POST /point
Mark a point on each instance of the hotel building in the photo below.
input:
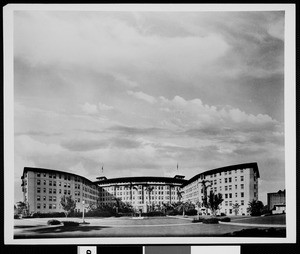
(43, 188)
(238, 184)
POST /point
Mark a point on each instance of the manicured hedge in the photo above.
(191, 212)
(53, 222)
(153, 214)
(195, 220)
(70, 223)
(225, 219)
(210, 221)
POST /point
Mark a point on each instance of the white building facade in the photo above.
(238, 184)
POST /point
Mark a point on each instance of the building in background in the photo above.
(43, 188)
(238, 184)
(276, 202)
(141, 192)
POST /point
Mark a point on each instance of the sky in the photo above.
(139, 92)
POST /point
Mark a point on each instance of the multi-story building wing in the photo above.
(141, 192)
(238, 184)
(42, 189)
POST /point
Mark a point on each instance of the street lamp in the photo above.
(83, 203)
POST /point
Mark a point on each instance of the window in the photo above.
(235, 186)
(226, 188)
(236, 195)
(225, 180)
(242, 186)
(54, 206)
(235, 178)
(230, 195)
(50, 176)
(54, 198)
(50, 198)
(54, 176)
(44, 190)
(38, 182)
(65, 184)
(220, 180)
(242, 178)
(44, 182)
(242, 170)
(54, 191)
(59, 184)
(44, 206)
(50, 183)
(38, 198)
(229, 179)
(54, 183)
(45, 174)
(69, 192)
(59, 176)
(44, 198)
(226, 195)
(226, 203)
(38, 174)
(65, 192)
(242, 202)
(50, 206)
(229, 187)
(38, 190)
(50, 191)
(242, 194)
(59, 191)
(38, 206)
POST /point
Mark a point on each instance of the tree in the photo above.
(255, 207)
(184, 207)
(68, 204)
(149, 189)
(214, 201)
(179, 194)
(22, 208)
(235, 208)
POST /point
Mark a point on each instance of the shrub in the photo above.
(211, 221)
(53, 222)
(16, 216)
(225, 219)
(223, 214)
(48, 215)
(200, 219)
(70, 223)
(153, 214)
(172, 212)
(191, 212)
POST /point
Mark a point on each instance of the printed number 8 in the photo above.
(88, 252)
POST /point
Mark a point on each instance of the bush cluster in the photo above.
(48, 215)
(200, 219)
(16, 216)
(53, 222)
(191, 212)
(225, 219)
(153, 214)
(70, 223)
(210, 221)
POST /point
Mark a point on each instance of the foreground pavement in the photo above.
(125, 227)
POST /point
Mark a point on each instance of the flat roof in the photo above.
(46, 170)
(142, 179)
(223, 169)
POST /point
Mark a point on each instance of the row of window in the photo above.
(50, 198)
(44, 206)
(229, 203)
(112, 188)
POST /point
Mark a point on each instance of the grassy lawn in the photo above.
(272, 219)
(128, 227)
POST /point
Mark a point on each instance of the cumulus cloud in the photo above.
(89, 108)
(142, 96)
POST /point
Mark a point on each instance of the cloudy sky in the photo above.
(139, 92)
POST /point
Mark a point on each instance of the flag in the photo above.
(177, 165)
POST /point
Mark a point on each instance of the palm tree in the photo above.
(149, 189)
(179, 194)
(204, 188)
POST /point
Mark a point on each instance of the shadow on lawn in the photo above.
(27, 226)
(63, 229)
